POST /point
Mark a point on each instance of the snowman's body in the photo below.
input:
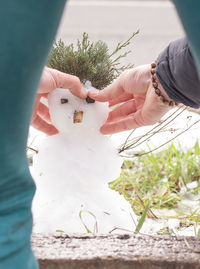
(72, 170)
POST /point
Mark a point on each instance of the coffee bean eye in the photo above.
(89, 100)
(63, 101)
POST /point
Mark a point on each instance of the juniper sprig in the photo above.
(90, 60)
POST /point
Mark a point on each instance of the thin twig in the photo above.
(127, 139)
(150, 214)
(124, 44)
(158, 131)
(35, 150)
(155, 132)
(131, 142)
(165, 142)
(133, 220)
(195, 250)
(116, 228)
(132, 145)
(160, 123)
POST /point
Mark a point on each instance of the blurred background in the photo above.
(170, 178)
(113, 21)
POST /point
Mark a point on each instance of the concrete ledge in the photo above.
(115, 251)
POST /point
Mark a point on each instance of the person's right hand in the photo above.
(50, 80)
(140, 105)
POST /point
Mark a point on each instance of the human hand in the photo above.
(50, 80)
(140, 105)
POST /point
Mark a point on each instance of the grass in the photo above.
(161, 181)
(157, 181)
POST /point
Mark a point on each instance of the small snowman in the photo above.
(72, 170)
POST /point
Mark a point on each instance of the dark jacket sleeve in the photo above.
(178, 75)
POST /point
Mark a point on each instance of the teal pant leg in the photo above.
(27, 30)
(189, 12)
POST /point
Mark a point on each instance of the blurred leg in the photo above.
(189, 14)
(27, 29)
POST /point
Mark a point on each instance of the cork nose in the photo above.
(78, 116)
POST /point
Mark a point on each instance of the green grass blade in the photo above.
(142, 219)
(95, 224)
(59, 231)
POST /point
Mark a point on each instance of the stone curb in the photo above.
(55, 251)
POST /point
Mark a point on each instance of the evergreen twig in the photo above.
(90, 60)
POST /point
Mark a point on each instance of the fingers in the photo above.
(109, 93)
(72, 83)
(129, 122)
(52, 79)
(123, 124)
(41, 119)
(41, 125)
(67, 81)
(148, 113)
(122, 98)
(45, 95)
(134, 81)
(122, 111)
(43, 112)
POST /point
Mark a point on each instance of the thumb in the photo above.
(67, 81)
(52, 79)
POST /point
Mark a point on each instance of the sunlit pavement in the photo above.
(114, 21)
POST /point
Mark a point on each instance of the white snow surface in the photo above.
(58, 200)
(72, 171)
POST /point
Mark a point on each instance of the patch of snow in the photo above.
(67, 172)
(192, 185)
(72, 171)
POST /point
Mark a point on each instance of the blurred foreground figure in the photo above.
(28, 28)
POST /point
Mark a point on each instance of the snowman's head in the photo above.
(70, 113)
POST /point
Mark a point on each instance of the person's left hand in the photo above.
(137, 103)
(50, 80)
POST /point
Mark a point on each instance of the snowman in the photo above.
(72, 170)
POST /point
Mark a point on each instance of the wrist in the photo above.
(158, 89)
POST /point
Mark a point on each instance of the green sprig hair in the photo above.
(90, 60)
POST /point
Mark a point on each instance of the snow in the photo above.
(179, 126)
(75, 166)
(72, 171)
